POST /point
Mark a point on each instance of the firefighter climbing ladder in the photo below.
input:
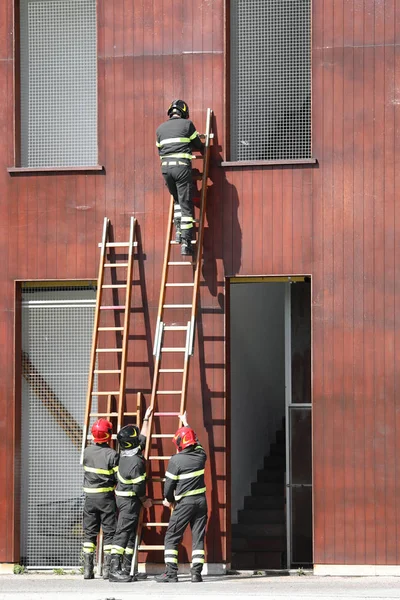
(108, 260)
(167, 326)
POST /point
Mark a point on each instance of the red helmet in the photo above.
(184, 437)
(101, 431)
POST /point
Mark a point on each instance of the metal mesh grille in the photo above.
(57, 326)
(270, 79)
(58, 83)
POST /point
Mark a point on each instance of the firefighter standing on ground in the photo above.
(175, 140)
(131, 495)
(185, 490)
(100, 464)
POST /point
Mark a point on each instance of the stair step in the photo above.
(278, 450)
(264, 502)
(275, 462)
(258, 560)
(252, 530)
(272, 476)
(259, 544)
(263, 517)
(267, 489)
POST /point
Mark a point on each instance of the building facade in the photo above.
(325, 213)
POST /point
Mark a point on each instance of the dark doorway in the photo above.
(270, 383)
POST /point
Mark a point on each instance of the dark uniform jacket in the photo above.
(100, 463)
(185, 474)
(131, 476)
(176, 138)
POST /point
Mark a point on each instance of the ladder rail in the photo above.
(165, 270)
(197, 269)
(93, 354)
(125, 333)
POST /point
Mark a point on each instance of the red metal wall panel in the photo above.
(337, 221)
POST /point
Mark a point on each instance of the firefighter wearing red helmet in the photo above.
(176, 138)
(185, 489)
(100, 464)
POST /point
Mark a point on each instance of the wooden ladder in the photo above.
(117, 351)
(174, 321)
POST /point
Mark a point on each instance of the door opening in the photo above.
(270, 383)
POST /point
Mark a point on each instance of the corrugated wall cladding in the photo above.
(337, 221)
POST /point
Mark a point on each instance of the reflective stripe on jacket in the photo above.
(185, 474)
(131, 476)
(100, 465)
(176, 138)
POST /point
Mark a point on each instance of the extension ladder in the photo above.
(107, 327)
(172, 359)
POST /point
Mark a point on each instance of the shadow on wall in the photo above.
(222, 235)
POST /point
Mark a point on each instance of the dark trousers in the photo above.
(128, 516)
(192, 511)
(99, 509)
(178, 180)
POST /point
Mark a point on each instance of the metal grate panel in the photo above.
(58, 83)
(270, 79)
(57, 326)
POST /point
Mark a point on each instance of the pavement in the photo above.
(48, 586)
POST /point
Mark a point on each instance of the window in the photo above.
(58, 83)
(270, 79)
(56, 338)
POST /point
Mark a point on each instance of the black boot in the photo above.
(169, 576)
(88, 566)
(186, 248)
(196, 577)
(115, 570)
(178, 234)
(106, 566)
(126, 568)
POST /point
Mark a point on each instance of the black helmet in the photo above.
(128, 437)
(180, 106)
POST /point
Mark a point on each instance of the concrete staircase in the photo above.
(259, 538)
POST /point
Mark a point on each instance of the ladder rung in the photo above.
(171, 370)
(173, 349)
(130, 414)
(166, 414)
(177, 306)
(114, 286)
(116, 264)
(175, 328)
(180, 263)
(108, 349)
(118, 244)
(155, 524)
(105, 414)
(162, 435)
(179, 284)
(159, 457)
(146, 548)
(168, 392)
(105, 393)
(111, 328)
(112, 307)
(158, 480)
(109, 371)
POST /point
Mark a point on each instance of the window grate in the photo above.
(270, 79)
(58, 83)
(57, 326)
